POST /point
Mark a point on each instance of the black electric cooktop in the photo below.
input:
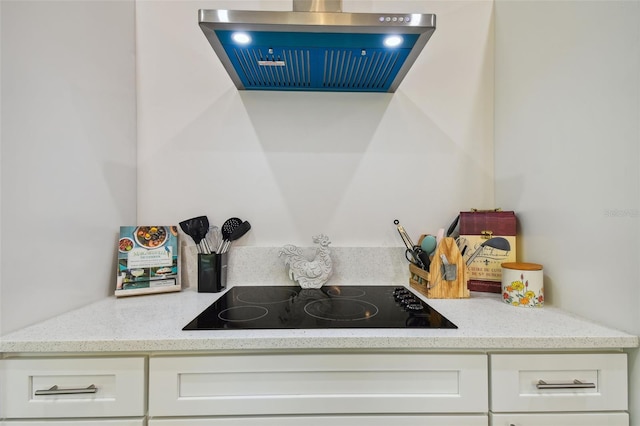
(289, 307)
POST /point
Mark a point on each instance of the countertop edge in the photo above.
(323, 343)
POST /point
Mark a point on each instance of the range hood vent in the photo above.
(315, 50)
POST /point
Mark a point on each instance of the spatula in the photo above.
(202, 227)
(237, 233)
(194, 228)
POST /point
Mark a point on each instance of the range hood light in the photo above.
(393, 41)
(241, 38)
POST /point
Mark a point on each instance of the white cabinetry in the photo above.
(316, 420)
(357, 388)
(590, 419)
(320, 384)
(580, 389)
(38, 388)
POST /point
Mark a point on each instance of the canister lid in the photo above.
(522, 266)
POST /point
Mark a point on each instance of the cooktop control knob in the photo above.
(403, 297)
(408, 301)
(413, 307)
(401, 293)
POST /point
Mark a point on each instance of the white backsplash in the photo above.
(262, 266)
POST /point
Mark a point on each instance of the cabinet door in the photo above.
(379, 420)
(72, 387)
(558, 382)
(590, 419)
(317, 384)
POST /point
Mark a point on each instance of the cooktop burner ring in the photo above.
(243, 313)
(351, 293)
(277, 295)
(345, 311)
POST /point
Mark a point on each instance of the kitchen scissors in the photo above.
(413, 256)
(413, 253)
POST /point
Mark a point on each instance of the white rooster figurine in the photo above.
(309, 273)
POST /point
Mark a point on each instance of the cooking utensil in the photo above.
(213, 237)
(188, 226)
(414, 254)
(237, 233)
(403, 234)
(229, 225)
(202, 227)
(424, 258)
(428, 244)
(197, 228)
(453, 228)
(227, 228)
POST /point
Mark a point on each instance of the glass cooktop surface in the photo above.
(290, 307)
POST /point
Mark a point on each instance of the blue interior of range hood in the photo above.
(316, 61)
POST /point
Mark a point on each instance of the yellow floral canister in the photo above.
(522, 284)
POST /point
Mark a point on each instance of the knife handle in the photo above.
(424, 258)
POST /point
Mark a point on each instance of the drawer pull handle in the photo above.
(576, 384)
(55, 390)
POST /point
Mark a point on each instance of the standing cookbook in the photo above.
(147, 260)
(477, 227)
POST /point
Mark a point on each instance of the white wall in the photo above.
(295, 164)
(68, 152)
(567, 146)
(0, 170)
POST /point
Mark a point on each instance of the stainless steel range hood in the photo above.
(316, 47)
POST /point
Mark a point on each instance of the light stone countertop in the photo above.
(153, 323)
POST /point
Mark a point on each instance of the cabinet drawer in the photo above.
(591, 419)
(317, 383)
(86, 387)
(350, 420)
(558, 382)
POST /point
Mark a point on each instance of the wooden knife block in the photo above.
(433, 283)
